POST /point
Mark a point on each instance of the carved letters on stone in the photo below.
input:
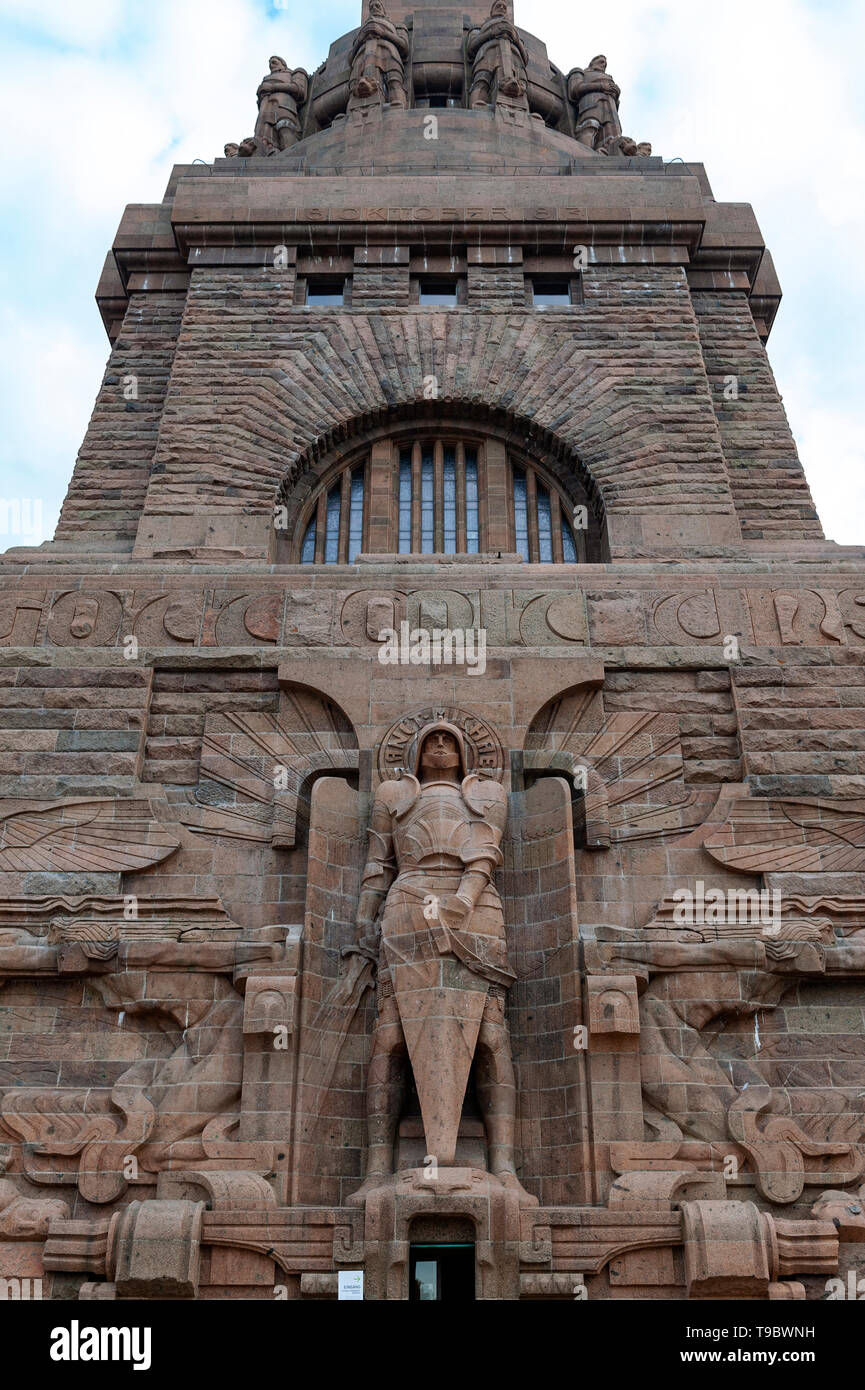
(398, 748)
(781, 617)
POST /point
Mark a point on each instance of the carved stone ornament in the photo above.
(398, 749)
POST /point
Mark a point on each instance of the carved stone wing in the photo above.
(791, 836)
(256, 768)
(99, 836)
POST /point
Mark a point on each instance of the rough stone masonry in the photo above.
(324, 952)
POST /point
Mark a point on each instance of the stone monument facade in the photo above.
(433, 744)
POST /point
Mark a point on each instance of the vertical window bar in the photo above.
(320, 527)
(405, 502)
(472, 506)
(532, 509)
(344, 508)
(438, 498)
(307, 550)
(449, 484)
(556, 525)
(521, 520)
(461, 498)
(545, 527)
(427, 522)
(331, 544)
(357, 494)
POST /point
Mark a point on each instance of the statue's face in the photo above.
(440, 750)
(278, 65)
(230, 151)
(499, 8)
(599, 63)
(376, 7)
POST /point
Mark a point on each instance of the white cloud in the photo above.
(79, 24)
(52, 375)
(768, 97)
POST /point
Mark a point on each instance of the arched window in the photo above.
(543, 526)
(334, 531)
(428, 491)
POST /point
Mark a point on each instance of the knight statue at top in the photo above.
(596, 101)
(378, 60)
(278, 124)
(498, 57)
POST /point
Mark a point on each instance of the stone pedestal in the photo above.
(450, 1202)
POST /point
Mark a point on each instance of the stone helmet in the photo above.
(440, 726)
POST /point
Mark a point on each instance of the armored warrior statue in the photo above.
(378, 60)
(278, 124)
(443, 968)
(596, 98)
(498, 57)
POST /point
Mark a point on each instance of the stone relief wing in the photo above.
(633, 759)
(762, 836)
(255, 766)
(107, 836)
(229, 822)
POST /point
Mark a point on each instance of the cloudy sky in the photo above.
(99, 98)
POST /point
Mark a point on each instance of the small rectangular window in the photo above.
(551, 294)
(324, 292)
(438, 291)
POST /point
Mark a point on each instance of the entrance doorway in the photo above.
(442, 1273)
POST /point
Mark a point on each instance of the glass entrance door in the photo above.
(442, 1273)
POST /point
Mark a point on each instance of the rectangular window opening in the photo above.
(438, 291)
(551, 294)
(324, 292)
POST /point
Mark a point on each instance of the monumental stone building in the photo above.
(433, 745)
